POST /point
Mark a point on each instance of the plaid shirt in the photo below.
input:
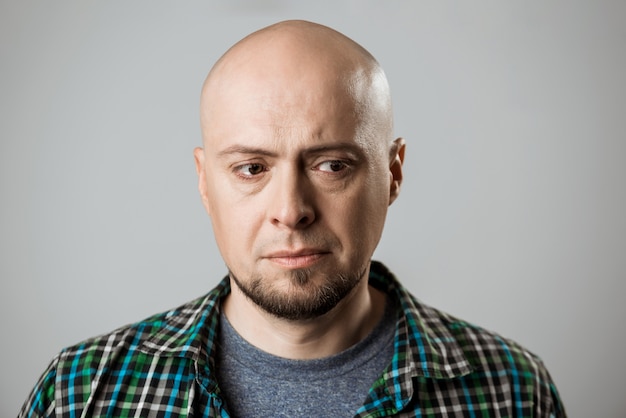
(163, 367)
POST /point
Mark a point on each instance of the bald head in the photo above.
(299, 64)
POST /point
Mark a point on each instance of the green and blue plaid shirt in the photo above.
(163, 367)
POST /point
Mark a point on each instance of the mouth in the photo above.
(297, 259)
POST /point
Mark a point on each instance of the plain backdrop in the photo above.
(512, 213)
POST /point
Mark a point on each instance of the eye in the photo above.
(332, 166)
(250, 170)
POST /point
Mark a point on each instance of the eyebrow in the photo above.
(244, 149)
(249, 150)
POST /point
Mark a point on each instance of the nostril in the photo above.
(291, 203)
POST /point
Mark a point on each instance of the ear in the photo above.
(396, 159)
(198, 155)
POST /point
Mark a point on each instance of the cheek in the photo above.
(232, 222)
(374, 203)
(234, 235)
(360, 214)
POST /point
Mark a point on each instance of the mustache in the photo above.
(297, 240)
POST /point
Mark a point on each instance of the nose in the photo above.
(291, 200)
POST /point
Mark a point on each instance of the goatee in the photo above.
(305, 298)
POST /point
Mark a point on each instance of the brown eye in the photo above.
(255, 168)
(332, 166)
(249, 170)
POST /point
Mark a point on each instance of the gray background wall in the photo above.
(511, 216)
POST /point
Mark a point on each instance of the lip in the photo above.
(298, 258)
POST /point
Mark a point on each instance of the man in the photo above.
(297, 171)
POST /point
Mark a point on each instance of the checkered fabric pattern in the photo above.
(162, 367)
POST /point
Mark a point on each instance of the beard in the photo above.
(304, 299)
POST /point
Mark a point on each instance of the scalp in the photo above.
(299, 54)
(298, 43)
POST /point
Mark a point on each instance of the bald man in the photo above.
(297, 170)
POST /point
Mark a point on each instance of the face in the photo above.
(296, 191)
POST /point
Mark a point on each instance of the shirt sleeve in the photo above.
(41, 401)
(558, 410)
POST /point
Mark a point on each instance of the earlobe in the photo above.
(198, 154)
(396, 159)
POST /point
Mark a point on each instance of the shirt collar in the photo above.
(424, 344)
(188, 331)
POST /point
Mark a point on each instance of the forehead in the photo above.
(265, 106)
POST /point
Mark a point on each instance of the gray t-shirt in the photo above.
(255, 383)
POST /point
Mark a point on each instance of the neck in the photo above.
(343, 326)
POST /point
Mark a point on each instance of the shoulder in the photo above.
(515, 378)
(440, 333)
(153, 332)
(469, 363)
(490, 353)
(159, 342)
